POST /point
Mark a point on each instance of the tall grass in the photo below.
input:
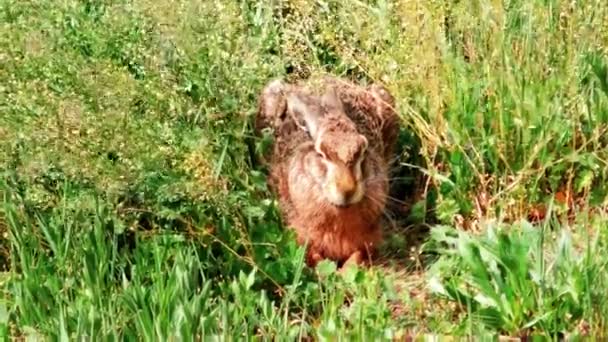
(133, 206)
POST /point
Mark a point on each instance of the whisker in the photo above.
(387, 214)
(396, 178)
(375, 179)
(376, 200)
(387, 196)
(390, 220)
(393, 159)
(395, 200)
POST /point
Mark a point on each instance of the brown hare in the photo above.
(329, 166)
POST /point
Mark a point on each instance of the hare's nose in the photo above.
(349, 193)
(347, 186)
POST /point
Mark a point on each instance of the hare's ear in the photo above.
(331, 101)
(272, 104)
(305, 112)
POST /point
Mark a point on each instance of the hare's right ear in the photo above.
(305, 112)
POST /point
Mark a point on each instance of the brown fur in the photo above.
(331, 231)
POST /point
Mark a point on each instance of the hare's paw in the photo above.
(313, 258)
(354, 259)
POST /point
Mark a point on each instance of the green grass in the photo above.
(132, 205)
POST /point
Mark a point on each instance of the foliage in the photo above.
(519, 278)
(133, 206)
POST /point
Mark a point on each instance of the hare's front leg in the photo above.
(360, 257)
(354, 259)
(313, 257)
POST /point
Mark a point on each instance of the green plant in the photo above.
(132, 206)
(519, 279)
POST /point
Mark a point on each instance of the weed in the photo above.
(133, 206)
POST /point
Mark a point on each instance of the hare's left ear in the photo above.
(331, 100)
(305, 112)
(272, 105)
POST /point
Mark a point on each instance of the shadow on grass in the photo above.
(410, 209)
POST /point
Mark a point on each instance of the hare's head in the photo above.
(337, 164)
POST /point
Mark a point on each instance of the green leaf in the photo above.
(418, 212)
(353, 275)
(435, 286)
(325, 268)
(447, 208)
(250, 279)
(584, 180)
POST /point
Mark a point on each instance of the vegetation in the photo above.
(133, 206)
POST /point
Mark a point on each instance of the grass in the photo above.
(132, 206)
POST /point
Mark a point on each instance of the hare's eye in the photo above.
(320, 152)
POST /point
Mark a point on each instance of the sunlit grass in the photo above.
(133, 205)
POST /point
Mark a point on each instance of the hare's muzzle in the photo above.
(344, 188)
(346, 184)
